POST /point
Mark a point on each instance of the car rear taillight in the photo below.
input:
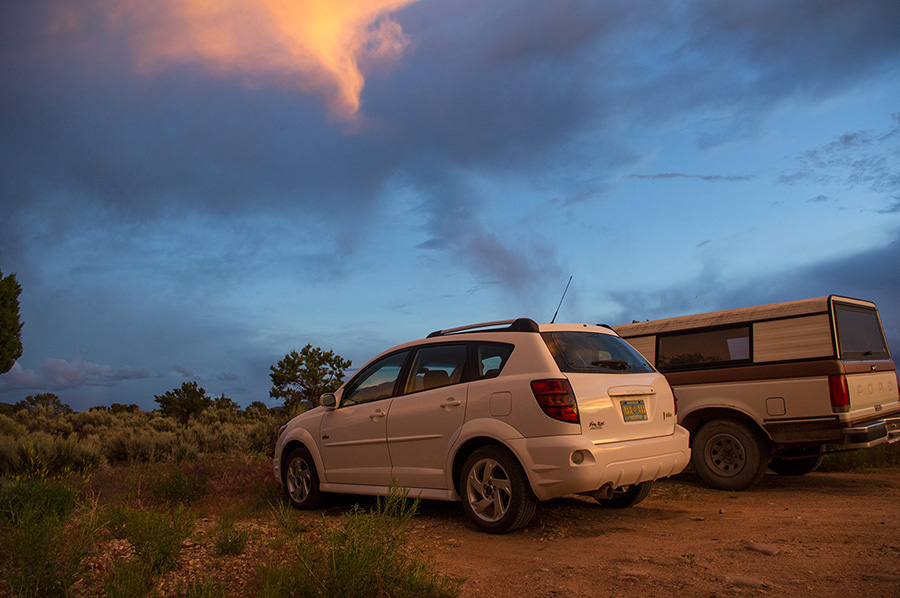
(840, 393)
(556, 399)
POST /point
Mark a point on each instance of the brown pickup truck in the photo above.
(775, 385)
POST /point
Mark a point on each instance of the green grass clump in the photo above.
(129, 579)
(179, 487)
(227, 538)
(883, 456)
(45, 537)
(201, 588)
(156, 536)
(361, 557)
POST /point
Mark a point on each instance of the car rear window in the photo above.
(594, 353)
(859, 333)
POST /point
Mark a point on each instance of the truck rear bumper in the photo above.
(873, 434)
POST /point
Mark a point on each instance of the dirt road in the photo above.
(824, 535)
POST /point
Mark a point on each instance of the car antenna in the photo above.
(561, 300)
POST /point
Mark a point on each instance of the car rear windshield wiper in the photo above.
(614, 364)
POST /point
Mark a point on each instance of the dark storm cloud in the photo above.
(488, 88)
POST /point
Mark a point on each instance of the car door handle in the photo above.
(378, 414)
(450, 403)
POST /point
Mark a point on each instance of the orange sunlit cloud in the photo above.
(314, 46)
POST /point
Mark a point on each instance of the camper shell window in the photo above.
(723, 346)
(859, 333)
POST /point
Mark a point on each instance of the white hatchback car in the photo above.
(499, 415)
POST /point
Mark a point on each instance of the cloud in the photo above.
(19, 378)
(315, 46)
(702, 177)
(184, 371)
(58, 374)
(865, 159)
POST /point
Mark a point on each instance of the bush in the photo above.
(41, 455)
(10, 427)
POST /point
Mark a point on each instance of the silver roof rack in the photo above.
(516, 325)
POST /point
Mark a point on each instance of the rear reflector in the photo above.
(840, 394)
(556, 399)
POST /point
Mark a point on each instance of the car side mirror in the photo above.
(328, 400)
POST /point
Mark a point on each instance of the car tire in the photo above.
(495, 492)
(627, 496)
(729, 455)
(301, 480)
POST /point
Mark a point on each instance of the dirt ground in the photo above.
(824, 535)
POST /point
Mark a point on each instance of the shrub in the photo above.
(10, 427)
(139, 445)
(41, 455)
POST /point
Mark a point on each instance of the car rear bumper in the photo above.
(561, 465)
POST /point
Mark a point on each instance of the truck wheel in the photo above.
(728, 455)
(627, 496)
(495, 492)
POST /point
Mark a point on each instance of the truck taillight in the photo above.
(556, 399)
(840, 393)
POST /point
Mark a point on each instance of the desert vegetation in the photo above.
(117, 501)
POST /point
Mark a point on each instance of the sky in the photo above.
(189, 190)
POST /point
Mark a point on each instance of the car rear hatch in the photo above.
(619, 395)
(614, 407)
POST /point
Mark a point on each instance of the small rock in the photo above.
(767, 549)
(668, 561)
(746, 582)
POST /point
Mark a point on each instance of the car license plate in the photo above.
(634, 410)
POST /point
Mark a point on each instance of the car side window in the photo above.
(376, 381)
(490, 359)
(435, 366)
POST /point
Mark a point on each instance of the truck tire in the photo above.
(797, 466)
(729, 455)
